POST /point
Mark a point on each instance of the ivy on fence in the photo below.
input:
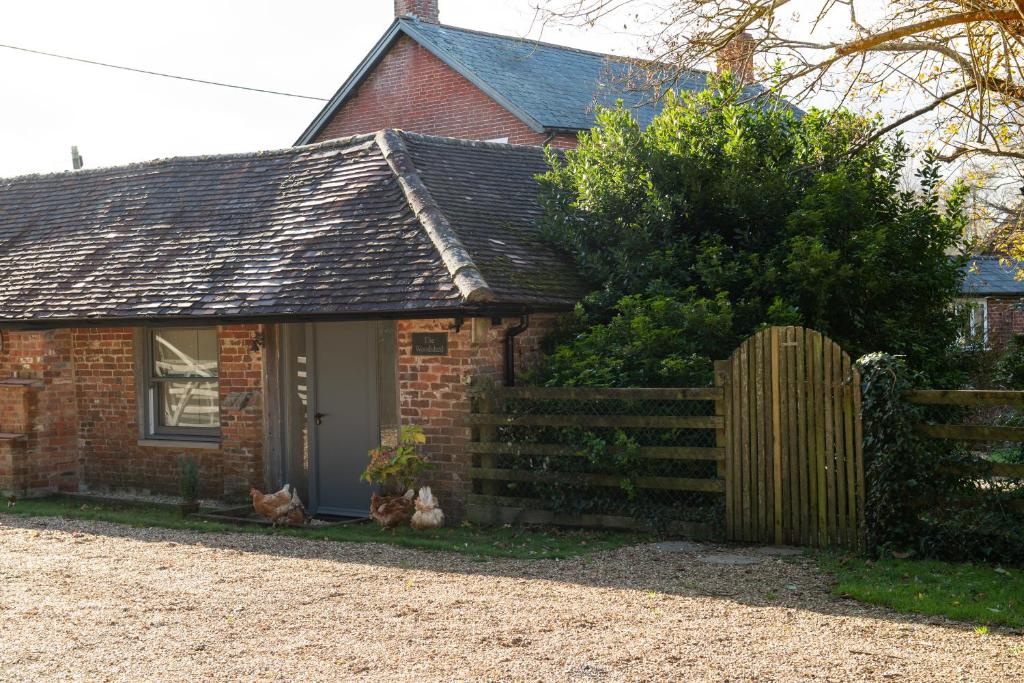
(932, 497)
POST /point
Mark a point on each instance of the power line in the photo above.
(162, 75)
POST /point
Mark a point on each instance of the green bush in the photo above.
(723, 217)
(1009, 369)
(188, 478)
(650, 341)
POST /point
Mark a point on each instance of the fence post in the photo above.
(721, 407)
(486, 405)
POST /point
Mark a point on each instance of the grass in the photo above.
(478, 541)
(1010, 455)
(980, 594)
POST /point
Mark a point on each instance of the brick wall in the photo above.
(413, 90)
(1005, 319)
(17, 415)
(49, 447)
(241, 409)
(112, 456)
(434, 392)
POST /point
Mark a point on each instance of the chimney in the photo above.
(738, 58)
(424, 10)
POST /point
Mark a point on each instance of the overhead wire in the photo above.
(160, 74)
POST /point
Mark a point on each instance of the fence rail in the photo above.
(683, 453)
(972, 433)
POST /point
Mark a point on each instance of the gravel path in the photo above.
(101, 602)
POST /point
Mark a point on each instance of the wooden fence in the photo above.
(793, 441)
(973, 433)
(495, 425)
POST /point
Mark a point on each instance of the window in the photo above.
(976, 331)
(181, 383)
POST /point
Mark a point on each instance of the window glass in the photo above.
(188, 404)
(185, 353)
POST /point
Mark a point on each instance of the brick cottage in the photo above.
(278, 314)
(275, 315)
(994, 299)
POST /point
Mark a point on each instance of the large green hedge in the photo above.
(724, 216)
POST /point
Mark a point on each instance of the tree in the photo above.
(950, 67)
(723, 216)
(960, 55)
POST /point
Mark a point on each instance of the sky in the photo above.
(301, 46)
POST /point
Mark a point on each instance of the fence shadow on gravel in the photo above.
(767, 583)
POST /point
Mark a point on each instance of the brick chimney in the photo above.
(424, 10)
(738, 58)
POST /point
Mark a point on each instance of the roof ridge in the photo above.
(464, 142)
(456, 257)
(349, 141)
(532, 41)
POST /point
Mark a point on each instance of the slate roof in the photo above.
(986, 275)
(393, 224)
(549, 87)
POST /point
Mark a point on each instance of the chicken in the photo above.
(283, 507)
(428, 514)
(392, 511)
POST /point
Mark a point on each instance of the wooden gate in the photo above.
(794, 464)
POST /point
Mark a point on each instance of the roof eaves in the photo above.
(408, 26)
(464, 272)
(351, 83)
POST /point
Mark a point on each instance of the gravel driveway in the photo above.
(98, 602)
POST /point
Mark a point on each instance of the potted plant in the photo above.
(188, 485)
(395, 470)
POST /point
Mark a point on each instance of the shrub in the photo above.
(734, 215)
(188, 478)
(398, 466)
(1009, 369)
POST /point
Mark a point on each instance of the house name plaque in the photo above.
(430, 343)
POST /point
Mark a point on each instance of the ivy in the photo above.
(929, 497)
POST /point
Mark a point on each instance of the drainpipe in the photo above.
(510, 349)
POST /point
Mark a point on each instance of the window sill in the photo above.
(180, 443)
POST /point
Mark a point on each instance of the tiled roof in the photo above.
(390, 224)
(547, 86)
(556, 86)
(986, 275)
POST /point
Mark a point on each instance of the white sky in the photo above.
(115, 117)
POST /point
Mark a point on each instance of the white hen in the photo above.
(428, 515)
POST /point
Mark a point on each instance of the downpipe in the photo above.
(510, 349)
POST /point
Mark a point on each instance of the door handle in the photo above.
(319, 417)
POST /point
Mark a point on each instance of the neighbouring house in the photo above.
(442, 80)
(275, 315)
(993, 295)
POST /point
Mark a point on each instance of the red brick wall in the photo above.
(107, 403)
(241, 409)
(17, 415)
(1005, 319)
(434, 392)
(413, 90)
(50, 444)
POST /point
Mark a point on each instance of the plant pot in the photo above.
(187, 509)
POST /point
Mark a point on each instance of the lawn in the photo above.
(478, 541)
(981, 594)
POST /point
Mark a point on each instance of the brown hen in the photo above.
(392, 511)
(283, 507)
